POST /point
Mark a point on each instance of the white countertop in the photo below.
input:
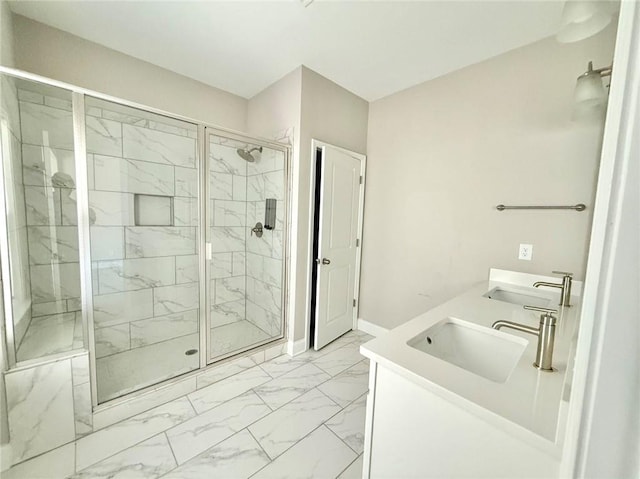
(530, 403)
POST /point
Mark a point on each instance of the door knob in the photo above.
(326, 261)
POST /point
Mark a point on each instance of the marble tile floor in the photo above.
(284, 418)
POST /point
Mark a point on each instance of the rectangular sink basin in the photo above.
(512, 297)
(478, 349)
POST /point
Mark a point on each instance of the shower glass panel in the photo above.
(143, 212)
(246, 265)
(40, 250)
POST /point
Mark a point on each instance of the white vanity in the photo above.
(451, 397)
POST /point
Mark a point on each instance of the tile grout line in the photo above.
(261, 448)
(342, 440)
(172, 453)
(350, 464)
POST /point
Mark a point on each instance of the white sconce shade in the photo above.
(590, 96)
(583, 18)
(590, 90)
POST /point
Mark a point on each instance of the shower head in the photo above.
(246, 154)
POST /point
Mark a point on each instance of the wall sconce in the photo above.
(583, 18)
(590, 96)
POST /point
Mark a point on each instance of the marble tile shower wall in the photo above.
(145, 277)
(48, 176)
(265, 179)
(228, 195)
(17, 218)
(246, 270)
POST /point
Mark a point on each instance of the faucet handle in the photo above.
(542, 310)
(563, 273)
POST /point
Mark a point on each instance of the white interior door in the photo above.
(338, 248)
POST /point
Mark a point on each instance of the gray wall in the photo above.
(318, 109)
(56, 54)
(6, 35)
(443, 154)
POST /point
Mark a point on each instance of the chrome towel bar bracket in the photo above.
(578, 207)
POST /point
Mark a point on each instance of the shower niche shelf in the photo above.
(153, 210)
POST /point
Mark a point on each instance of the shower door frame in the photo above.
(79, 95)
(206, 205)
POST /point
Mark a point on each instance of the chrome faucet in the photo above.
(546, 333)
(565, 287)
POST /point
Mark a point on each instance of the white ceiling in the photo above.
(372, 48)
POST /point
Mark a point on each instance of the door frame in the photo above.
(315, 145)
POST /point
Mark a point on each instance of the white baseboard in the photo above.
(6, 459)
(371, 328)
(296, 347)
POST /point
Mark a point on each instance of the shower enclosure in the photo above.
(155, 242)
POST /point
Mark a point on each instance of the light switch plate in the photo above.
(525, 252)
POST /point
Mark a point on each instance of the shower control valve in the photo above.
(257, 229)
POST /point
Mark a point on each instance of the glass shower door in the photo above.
(246, 234)
(143, 216)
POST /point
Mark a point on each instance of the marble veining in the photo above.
(131, 274)
(111, 208)
(107, 242)
(228, 369)
(41, 163)
(185, 212)
(227, 313)
(235, 433)
(266, 320)
(235, 336)
(222, 186)
(174, 299)
(291, 385)
(149, 459)
(319, 455)
(162, 328)
(116, 308)
(43, 205)
(112, 339)
(238, 457)
(40, 408)
(103, 136)
(158, 147)
(53, 244)
(348, 424)
(186, 182)
(146, 241)
(229, 213)
(225, 159)
(83, 414)
(226, 239)
(140, 367)
(283, 428)
(187, 269)
(267, 296)
(229, 289)
(221, 267)
(221, 391)
(130, 176)
(43, 125)
(209, 428)
(54, 282)
(113, 439)
(48, 335)
(348, 385)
